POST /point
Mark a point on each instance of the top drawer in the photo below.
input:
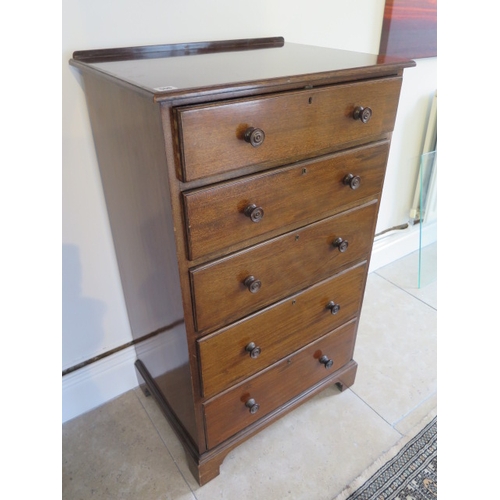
(295, 125)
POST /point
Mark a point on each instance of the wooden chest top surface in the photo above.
(166, 71)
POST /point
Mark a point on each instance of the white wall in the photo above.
(94, 314)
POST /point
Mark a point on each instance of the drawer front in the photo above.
(296, 125)
(223, 290)
(247, 347)
(231, 213)
(228, 413)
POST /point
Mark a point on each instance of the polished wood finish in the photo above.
(242, 181)
(283, 265)
(176, 49)
(142, 226)
(278, 330)
(228, 412)
(297, 125)
(289, 197)
(222, 72)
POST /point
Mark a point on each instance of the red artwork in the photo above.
(409, 29)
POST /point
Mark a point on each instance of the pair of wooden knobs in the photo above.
(255, 136)
(254, 407)
(256, 214)
(253, 284)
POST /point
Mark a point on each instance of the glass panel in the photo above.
(427, 262)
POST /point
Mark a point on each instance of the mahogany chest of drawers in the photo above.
(242, 181)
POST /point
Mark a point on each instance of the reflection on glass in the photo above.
(427, 263)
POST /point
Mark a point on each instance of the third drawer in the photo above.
(233, 287)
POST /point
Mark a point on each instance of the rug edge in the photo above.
(385, 457)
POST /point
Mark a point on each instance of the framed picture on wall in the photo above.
(409, 29)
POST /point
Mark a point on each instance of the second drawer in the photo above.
(256, 205)
(236, 352)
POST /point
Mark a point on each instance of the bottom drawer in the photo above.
(240, 406)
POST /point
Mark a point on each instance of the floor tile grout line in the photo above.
(377, 413)
(165, 444)
(406, 291)
(418, 406)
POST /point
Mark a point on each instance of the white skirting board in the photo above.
(108, 378)
(98, 383)
(104, 380)
(393, 246)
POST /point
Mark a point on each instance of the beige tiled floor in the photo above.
(126, 450)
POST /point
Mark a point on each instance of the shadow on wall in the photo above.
(82, 330)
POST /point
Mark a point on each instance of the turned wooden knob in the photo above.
(334, 308)
(341, 244)
(254, 212)
(325, 360)
(255, 136)
(253, 284)
(252, 405)
(353, 181)
(362, 114)
(253, 349)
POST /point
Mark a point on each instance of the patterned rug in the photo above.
(411, 473)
